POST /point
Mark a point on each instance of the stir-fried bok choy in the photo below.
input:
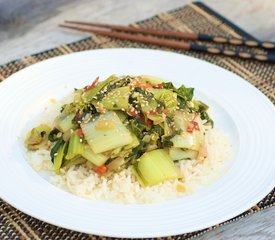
(137, 122)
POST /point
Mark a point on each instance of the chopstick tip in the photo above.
(65, 26)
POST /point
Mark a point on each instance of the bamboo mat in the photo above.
(194, 17)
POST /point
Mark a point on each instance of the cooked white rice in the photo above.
(123, 187)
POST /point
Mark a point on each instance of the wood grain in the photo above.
(258, 226)
(30, 26)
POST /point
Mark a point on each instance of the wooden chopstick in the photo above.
(188, 36)
(180, 35)
(175, 44)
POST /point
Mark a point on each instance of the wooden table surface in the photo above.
(30, 26)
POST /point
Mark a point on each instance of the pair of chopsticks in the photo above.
(134, 34)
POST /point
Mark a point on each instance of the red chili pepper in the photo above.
(152, 112)
(158, 85)
(148, 85)
(94, 83)
(195, 116)
(148, 122)
(101, 169)
(165, 111)
(141, 85)
(189, 130)
(80, 132)
(134, 113)
(195, 125)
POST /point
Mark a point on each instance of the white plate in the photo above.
(244, 113)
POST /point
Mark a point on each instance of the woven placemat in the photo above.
(194, 17)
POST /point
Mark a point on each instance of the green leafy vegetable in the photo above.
(202, 108)
(117, 99)
(56, 147)
(97, 159)
(75, 161)
(65, 122)
(184, 94)
(135, 153)
(107, 132)
(53, 135)
(58, 157)
(75, 146)
(155, 167)
(38, 137)
(88, 96)
(180, 154)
